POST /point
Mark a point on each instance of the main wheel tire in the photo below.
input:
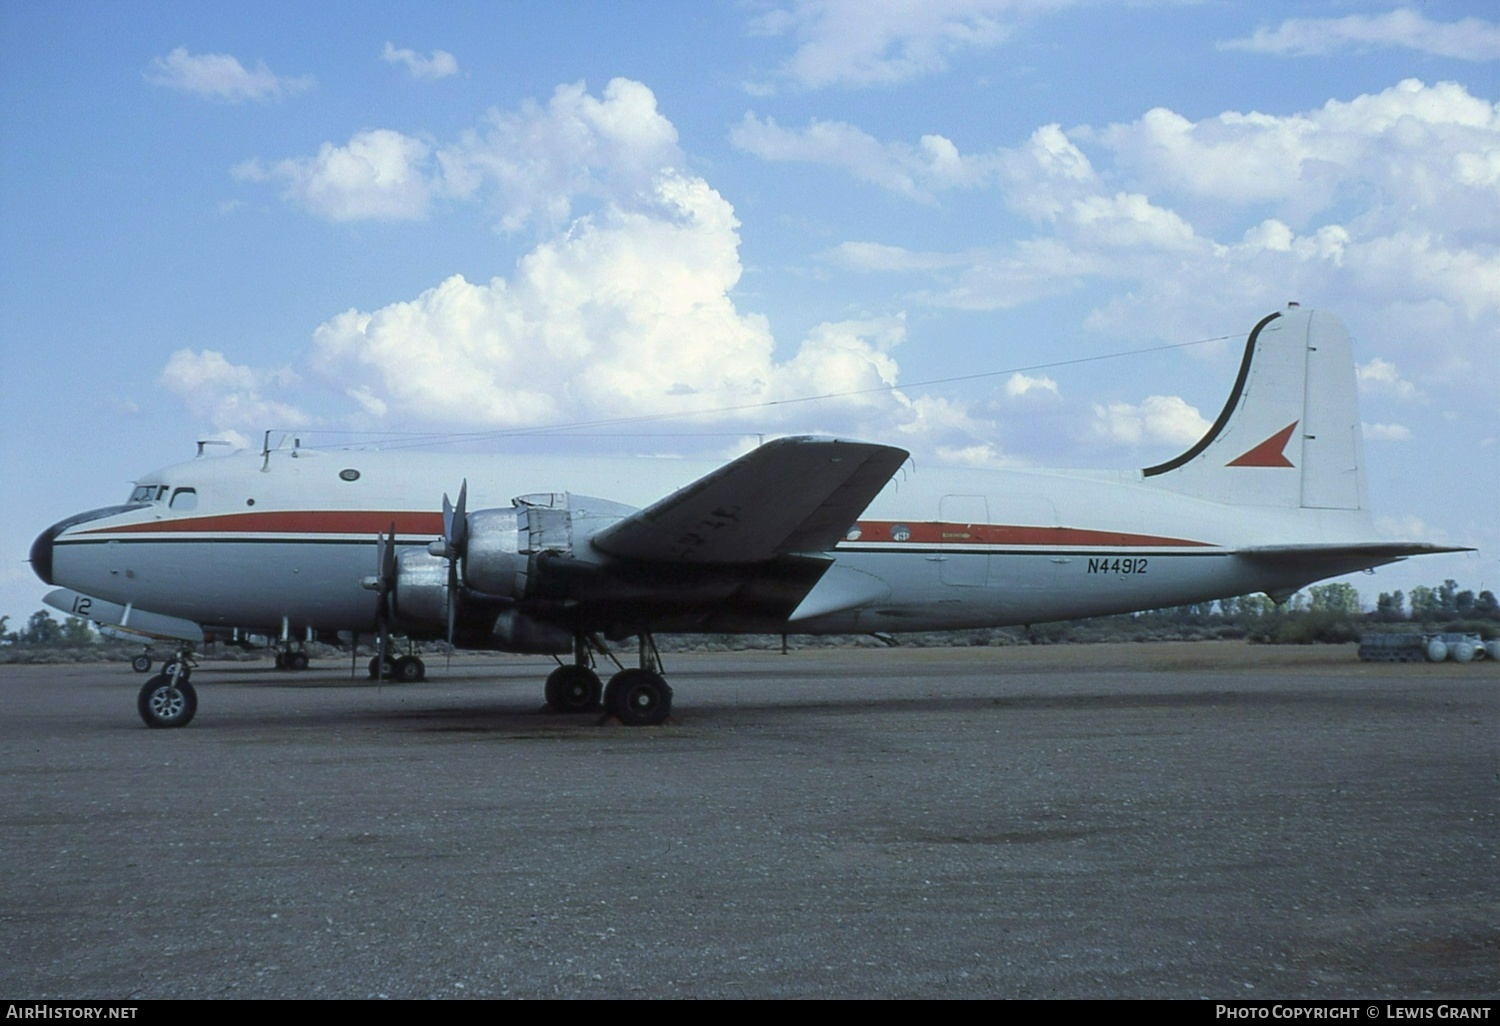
(169, 668)
(162, 704)
(296, 660)
(141, 664)
(573, 689)
(281, 660)
(408, 670)
(639, 698)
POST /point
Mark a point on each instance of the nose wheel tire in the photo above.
(141, 664)
(573, 689)
(164, 704)
(638, 698)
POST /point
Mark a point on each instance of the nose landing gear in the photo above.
(168, 699)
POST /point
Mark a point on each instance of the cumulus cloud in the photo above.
(378, 175)
(1381, 376)
(854, 43)
(1386, 432)
(441, 63)
(1157, 419)
(1389, 202)
(1469, 39)
(221, 76)
(1020, 385)
(915, 171)
(229, 395)
(1409, 147)
(621, 311)
(531, 165)
(617, 320)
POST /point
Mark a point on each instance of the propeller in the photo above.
(451, 547)
(383, 584)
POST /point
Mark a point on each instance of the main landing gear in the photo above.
(407, 669)
(168, 699)
(637, 697)
(290, 660)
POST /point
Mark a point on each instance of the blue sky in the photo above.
(217, 220)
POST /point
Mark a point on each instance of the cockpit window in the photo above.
(184, 499)
(148, 493)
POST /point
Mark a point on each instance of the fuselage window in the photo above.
(184, 499)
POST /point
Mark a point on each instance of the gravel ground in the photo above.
(1177, 820)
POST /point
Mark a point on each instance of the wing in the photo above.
(790, 495)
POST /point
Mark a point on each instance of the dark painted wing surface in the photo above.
(790, 495)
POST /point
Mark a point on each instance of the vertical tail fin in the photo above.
(1289, 436)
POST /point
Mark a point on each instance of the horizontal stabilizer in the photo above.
(790, 495)
(1391, 550)
(1329, 560)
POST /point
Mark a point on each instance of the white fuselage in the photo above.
(283, 542)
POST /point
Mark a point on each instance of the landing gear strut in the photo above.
(168, 700)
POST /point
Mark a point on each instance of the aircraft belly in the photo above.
(308, 583)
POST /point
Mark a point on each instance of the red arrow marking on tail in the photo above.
(1268, 453)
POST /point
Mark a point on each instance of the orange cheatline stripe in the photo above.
(310, 521)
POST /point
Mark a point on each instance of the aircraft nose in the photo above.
(41, 554)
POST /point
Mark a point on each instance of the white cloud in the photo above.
(626, 314)
(862, 43)
(379, 175)
(624, 311)
(1019, 385)
(531, 165)
(230, 395)
(1158, 419)
(916, 172)
(441, 64)
(534, 163)
(1381, 376)
(1386, 205)
(1469, 39)
(1129, 220)
(1409, 147)
(1409, 527)
(983, 455)
(1386, 432)
(1040, 177)
(221, 76)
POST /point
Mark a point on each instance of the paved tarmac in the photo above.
(1213, 820)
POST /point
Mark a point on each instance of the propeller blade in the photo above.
(455, 536)
(458, 532)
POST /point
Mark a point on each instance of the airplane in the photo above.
(805, 535)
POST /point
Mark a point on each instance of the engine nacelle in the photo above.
(517, 632)
(497, 557)
(421, 593)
